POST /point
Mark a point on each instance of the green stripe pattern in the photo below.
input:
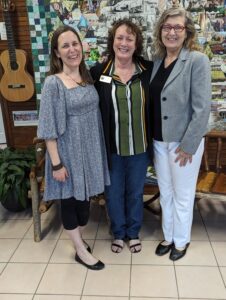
(129, 116)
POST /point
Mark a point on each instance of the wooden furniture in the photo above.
(150, 203)
(212, 178)
(37, 188)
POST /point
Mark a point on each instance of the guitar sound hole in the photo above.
(14, 65)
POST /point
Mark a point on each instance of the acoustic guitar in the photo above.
(16, 83)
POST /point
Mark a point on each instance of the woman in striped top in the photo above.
(123, 86)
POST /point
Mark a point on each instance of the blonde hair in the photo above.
(189, 42)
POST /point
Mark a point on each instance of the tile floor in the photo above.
(47, 270)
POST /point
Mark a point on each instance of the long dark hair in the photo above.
(56, 64)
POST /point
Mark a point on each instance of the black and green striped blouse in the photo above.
(128, 114)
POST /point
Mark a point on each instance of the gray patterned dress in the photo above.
(72, 117)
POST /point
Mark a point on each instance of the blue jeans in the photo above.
(125, 194)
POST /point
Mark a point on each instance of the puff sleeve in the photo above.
(52, 114)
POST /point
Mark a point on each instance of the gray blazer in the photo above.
(186, 100)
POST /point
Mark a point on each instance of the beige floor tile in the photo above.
(66, 279)
(65, 251)
(223, 272)
(15, 297)
(148, 256)
(216, 230)
(151, 217)
(16, 278)
(103, 216)
(219, 249)
(103, 232)
(7, 248)
(148, 298)
(89, 232)
(196, 214)
(198, 232)
(50, 229)
(215, 217)
(103, 298)
(56, 297)
(212, 209)
(102, 250)
(200, 282)
(198, 254)
(153, 281)
(8, 215)
(112, 281)
(30, 251)
(95, 212)
(2, 266)
(151, 231)
(14, 228)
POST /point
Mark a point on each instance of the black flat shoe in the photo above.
(176, 254)
(163, 249)
(96, 267)
(87, 246)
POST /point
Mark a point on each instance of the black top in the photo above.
(156, 87)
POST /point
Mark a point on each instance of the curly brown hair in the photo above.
(56, 64)
(190, 41)
(132, 28)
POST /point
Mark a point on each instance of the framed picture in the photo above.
(25, 118)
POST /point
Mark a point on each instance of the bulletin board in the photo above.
(93, 18)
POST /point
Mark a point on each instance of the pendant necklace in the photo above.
(82, 83)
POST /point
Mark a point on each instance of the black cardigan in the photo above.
(104, 91)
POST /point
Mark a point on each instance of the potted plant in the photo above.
(15, 166)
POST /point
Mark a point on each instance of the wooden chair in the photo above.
(212, 179)
(37, 188)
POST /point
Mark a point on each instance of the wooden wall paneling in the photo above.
(20, 136)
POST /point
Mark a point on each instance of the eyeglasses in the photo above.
(176, 28)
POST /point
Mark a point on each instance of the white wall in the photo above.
(2, 131)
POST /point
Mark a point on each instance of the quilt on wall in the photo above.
(93, 18)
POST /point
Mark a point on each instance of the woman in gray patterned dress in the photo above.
(70, 123)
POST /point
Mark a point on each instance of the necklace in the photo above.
(82, 83)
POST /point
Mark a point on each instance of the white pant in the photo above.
(177, 191)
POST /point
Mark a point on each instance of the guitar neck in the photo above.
(10, 39)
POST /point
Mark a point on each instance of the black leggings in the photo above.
(74, 213)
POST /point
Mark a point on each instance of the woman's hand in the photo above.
(60, 175)
(182, 157)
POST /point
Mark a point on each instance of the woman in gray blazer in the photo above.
(180, 92)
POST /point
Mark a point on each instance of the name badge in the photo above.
(106, 79)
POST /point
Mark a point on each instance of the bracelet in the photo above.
(57, 167)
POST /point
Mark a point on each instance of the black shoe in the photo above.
(87, 246)
(176, 254)
(96, 267)
(163, 249)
